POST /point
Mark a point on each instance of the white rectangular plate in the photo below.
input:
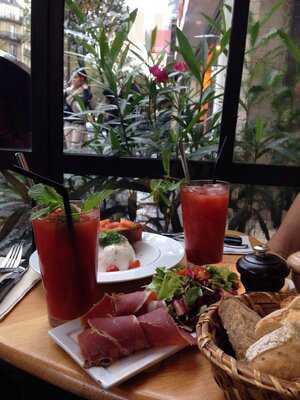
(65, 336)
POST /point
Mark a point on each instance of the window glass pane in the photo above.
(259, 210)
(254, 210)
(269, 113)
(15, 93)
(137, 199)
(15, 224)
(140, 76)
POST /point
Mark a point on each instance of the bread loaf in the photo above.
(239, 322)
(277, 353)
(295, 304)
(285, 302)
(276, 319)
(293, 262)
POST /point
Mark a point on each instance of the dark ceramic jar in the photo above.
(262, 271)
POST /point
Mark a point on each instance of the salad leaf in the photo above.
(192, 295)
(202, 309)
(95, 199)
(222, 277)
(108, 238)
(166, 284)
(157, 280)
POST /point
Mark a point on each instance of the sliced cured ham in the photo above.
(104, 308)
(155, 304)
(161, 330)
(120, 304)
(98, 349)
(132, 303)
(109, 336)
(126, 330)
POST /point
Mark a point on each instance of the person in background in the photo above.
(77, 98)
(286, 240)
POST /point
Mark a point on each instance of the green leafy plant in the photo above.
(152, 106)
(152, 112)
(269, 118)
(153, 101)
(15, 210)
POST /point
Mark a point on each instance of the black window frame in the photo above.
(47, 156)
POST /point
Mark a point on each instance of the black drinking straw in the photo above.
(67, 206)
(216, 166)
(23, 164)
(184, 162)
(55, 185)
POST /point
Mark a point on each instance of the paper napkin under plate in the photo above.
(28, 280)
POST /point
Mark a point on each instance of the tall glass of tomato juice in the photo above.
(204, 212)
(68, 267)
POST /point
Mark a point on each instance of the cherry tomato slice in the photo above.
(112, 268)
(134, 264)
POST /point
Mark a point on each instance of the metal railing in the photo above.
(17, 37)
(4, 16)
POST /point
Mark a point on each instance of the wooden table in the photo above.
(24, 343)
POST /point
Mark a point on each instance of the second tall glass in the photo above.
(204, 211)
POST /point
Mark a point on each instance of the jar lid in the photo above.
(262, 262)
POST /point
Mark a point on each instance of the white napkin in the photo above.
(238, 249)
(229, 249)
(29, 279)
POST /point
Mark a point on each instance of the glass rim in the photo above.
(61, 216)
(200, 182)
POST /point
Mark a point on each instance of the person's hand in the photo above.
(85, 86)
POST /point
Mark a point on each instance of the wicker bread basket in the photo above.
(237, 379)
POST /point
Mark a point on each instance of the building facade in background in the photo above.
(15, 29)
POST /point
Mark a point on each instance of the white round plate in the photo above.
(153, 251)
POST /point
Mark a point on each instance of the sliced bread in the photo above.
(274, 320)
(239, 322)
(277, 353)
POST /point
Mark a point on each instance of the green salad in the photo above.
(189, 291)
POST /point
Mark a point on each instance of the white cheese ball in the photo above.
(119, 255)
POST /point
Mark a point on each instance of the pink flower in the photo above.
(154, 70)
(180, 66)
(161, 74)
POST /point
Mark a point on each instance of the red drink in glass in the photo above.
(204, 213)
(68, 271)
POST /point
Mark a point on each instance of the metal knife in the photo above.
(10, 281)
(237, 247)
(233, 240)
(4, 271)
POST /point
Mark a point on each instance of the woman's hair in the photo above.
(83, 74)
(80, 72)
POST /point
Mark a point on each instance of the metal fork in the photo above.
(13, 258)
